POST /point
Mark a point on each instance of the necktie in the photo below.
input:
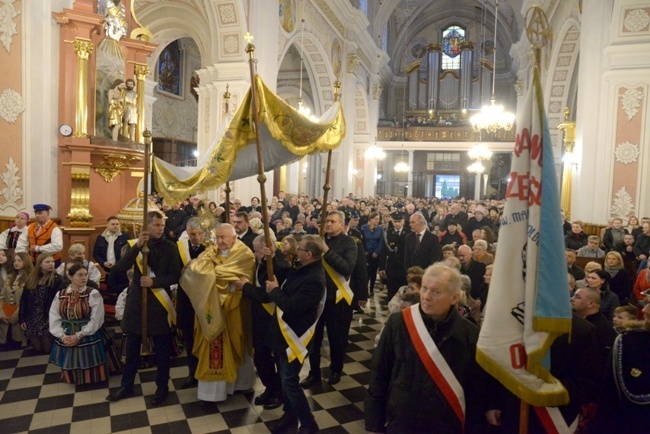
(38, 230)
(417, 242)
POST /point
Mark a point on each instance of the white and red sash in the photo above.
(434, 362)
(553, 421)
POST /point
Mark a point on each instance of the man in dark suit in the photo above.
(189, 249)
(473, 269)
(244, 232)
(299, 300)
(165, 265)
(421, 247)
(394, 269)
(175, 222)
(340, 253)
(262, 315)
(108, 250)
(456, 214)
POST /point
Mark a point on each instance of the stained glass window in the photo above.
(452, 37)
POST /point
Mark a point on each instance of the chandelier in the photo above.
(374, 153)
(476, 167)
(493, 117)
(479, 152)
(402, 167)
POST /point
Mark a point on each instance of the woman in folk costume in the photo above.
(222, 331)
(40, 289)
(10, 295)
(82, 347)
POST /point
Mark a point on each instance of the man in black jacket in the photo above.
(165, 264)
(394, 241)
(298, 304)
(340, 257)
(262, 316)
(189, 249)
(475, 270)
(421, 247)
(404, 396)
(175, 223)
(108, 250)
(242, 228)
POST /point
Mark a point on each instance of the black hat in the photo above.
(399, 205)
(350, 215)
(452, 222)
(397, 215)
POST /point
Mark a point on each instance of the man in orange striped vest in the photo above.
(42, 236)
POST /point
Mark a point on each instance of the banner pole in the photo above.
(145, 248)
(261, 177)
(226, 219)
(326, 185)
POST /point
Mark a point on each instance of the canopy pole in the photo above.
(145, 248)
(226, 219)
(326, 186)
(261, 177)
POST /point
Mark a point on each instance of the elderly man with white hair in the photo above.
(424, 376)
(222, 342)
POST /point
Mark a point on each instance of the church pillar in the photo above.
(342, 183)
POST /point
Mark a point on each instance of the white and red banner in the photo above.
(528, 305)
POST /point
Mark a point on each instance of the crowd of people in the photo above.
(250, 302)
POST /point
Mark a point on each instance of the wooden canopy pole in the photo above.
(326, 186)
(261, 177)
(226, 98)
(145, 247)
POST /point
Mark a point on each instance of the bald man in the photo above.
(473, 269)
(222, 342)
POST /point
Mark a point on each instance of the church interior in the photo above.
(85, 85)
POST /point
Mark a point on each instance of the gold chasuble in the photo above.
(222, 333)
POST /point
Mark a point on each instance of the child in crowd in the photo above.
(10, 294)
(414, 282)
(624, 316)
(33, 315)
(405, 299)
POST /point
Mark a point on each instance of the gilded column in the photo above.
(83, 48)
(569, 129)
(79, 215)
(141, 71)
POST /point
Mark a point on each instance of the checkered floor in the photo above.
(33, 399)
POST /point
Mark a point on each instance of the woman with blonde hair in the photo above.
(10, 296)
(77, 252)
(620, 282)
(33, 316)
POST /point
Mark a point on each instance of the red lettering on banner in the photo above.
(518, 356)
(524, 187)
(524, 141)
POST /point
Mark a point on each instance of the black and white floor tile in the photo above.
(34, 400)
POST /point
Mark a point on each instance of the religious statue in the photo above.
(130, 117)
(115, 20)
(116, 102)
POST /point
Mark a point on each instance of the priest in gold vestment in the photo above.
(222, 329)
